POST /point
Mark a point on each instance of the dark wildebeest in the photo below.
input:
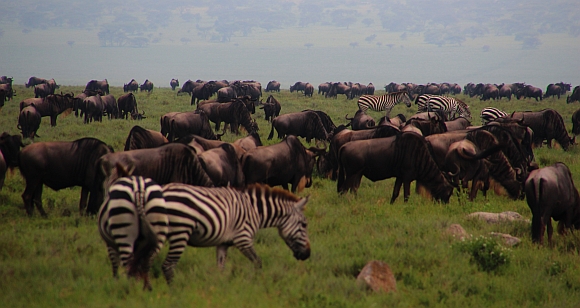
(43, 90)
(201, 92)
(398, 121)
(169, 163)
(187, 87)
(338, 88)
(32, 81)
(298, 86)
(9, 151)
(273, 86)
(127, 105)
(308, 89)
(271, 108)
(226, 94)
(8, 91)
(174, 83)
(342, 136)
(141, 138)
(51, 106)
(425, 127)
(305, 124)
(557, 89)
(370, 89)
(94, 108)
(405, 156)
(529, 91)
(287, 162)
(547, 124)
(223, 166)
(132, 86)
(59, 165)
(361, 120)
(234, 113)
(29, 122)
(575, 95)
(188, 123)
(326, 121)
(457, 124)
(323, 88)
(249, 142)
(146, 86)
(576, 122)
(111, 107)
(95, 85)
(3, 95)
(551, 193)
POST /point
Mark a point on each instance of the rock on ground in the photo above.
(507, 239)
(377, 276)
(494, 218)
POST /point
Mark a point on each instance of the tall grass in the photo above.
(62, 261)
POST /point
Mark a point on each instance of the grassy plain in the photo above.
(62, 261)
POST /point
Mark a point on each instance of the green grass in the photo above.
(62, 261)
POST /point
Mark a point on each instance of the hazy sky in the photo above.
(361, 41)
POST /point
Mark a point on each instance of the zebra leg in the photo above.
(176, 248)
(114, 257)
(251, 254)
(221, 254)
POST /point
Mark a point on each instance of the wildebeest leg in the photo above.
(351, 182)
(396, 189)
(53, 120)
(83, 201)
(285, 187)
(549, 143)
(221, 254)
(33, 195)
(406, 190)
(550, 229)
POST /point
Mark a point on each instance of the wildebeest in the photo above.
(95, 85)
(8, 91)
(223, 166)
(201, 92)
(405, 156)
(51, 106)
(425, 127)
(323, 88)
(575, 95)
(370, 89)
(127, 104)
(338, 88)
(529, 91)
(287, 162)
(32, 81)
(551, 193)
(58, 165)
(111, 106)
(9, 151)
(361, 120)
(273, 86)
(308, 89)
(576, 122)
(298, 86)
(234, 113)
(249, 142)
(174, 83)
(547, 124)
(457, 124)
(169, 163)
(94, 109)
(305, 124)
(132, 86)
(146, 86)
(29, 122)
(43, 90)
(226, 94)
(187, 123)
(271, 108)
(187, 87)
(557, 89)
(141, 138)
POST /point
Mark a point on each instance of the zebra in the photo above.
(133, 223)
(451, 106)
(224, 216)
(383, 102)
(489, 114)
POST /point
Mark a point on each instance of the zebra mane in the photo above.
(274, 191)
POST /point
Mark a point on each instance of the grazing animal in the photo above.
(547, 124)
(405, 157)
(308, 89)
(457, 124)
(132, 86)
(287, 162)
(133, 222)
(51, 106)
(32, 81)
(127, 105)
(9, 152)
(384, 102)
(29, 122)
(249, 142)
(575, 95)
(60, 164)
(95, 85)
(111, 106)
(146, 86)
(187, 123)
(305, 124)
(273, 86)
(174, 83)
(361, 120)
(489, 114)
(576, 122)
(222, 165)
(224, 217)
(94, 109)
(141, 138)
(271, 108)
(551, 193)
(451, 106)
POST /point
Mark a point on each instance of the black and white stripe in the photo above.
(133, 222)
(452, 107)
(223, 217)
(489, 114)
(383, 102)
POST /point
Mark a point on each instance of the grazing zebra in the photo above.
(451, 106)
(383, 102)
(133, 222)
(489, 114)
(222, 217)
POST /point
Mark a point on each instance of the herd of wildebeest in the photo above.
(437, 149)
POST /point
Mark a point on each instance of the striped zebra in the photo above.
(383, 102)
(222, 217)
(133, 222)
(489, 114)
(451, 106)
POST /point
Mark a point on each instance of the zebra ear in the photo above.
(301, 204)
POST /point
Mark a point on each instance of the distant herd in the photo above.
(437, 147)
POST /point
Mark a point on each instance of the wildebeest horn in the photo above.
(346, 117)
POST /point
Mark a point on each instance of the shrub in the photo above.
(486, 252)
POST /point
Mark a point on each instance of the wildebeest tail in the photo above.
(271, 135)
(534, 199)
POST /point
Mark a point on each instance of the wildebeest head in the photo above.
(10, 147)
(138, 116)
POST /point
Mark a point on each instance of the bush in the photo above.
(486, 252)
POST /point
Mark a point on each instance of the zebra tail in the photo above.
(147, 241)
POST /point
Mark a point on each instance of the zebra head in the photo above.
(405, 99)
(294, 232)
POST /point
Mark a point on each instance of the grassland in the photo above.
(62, 261)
